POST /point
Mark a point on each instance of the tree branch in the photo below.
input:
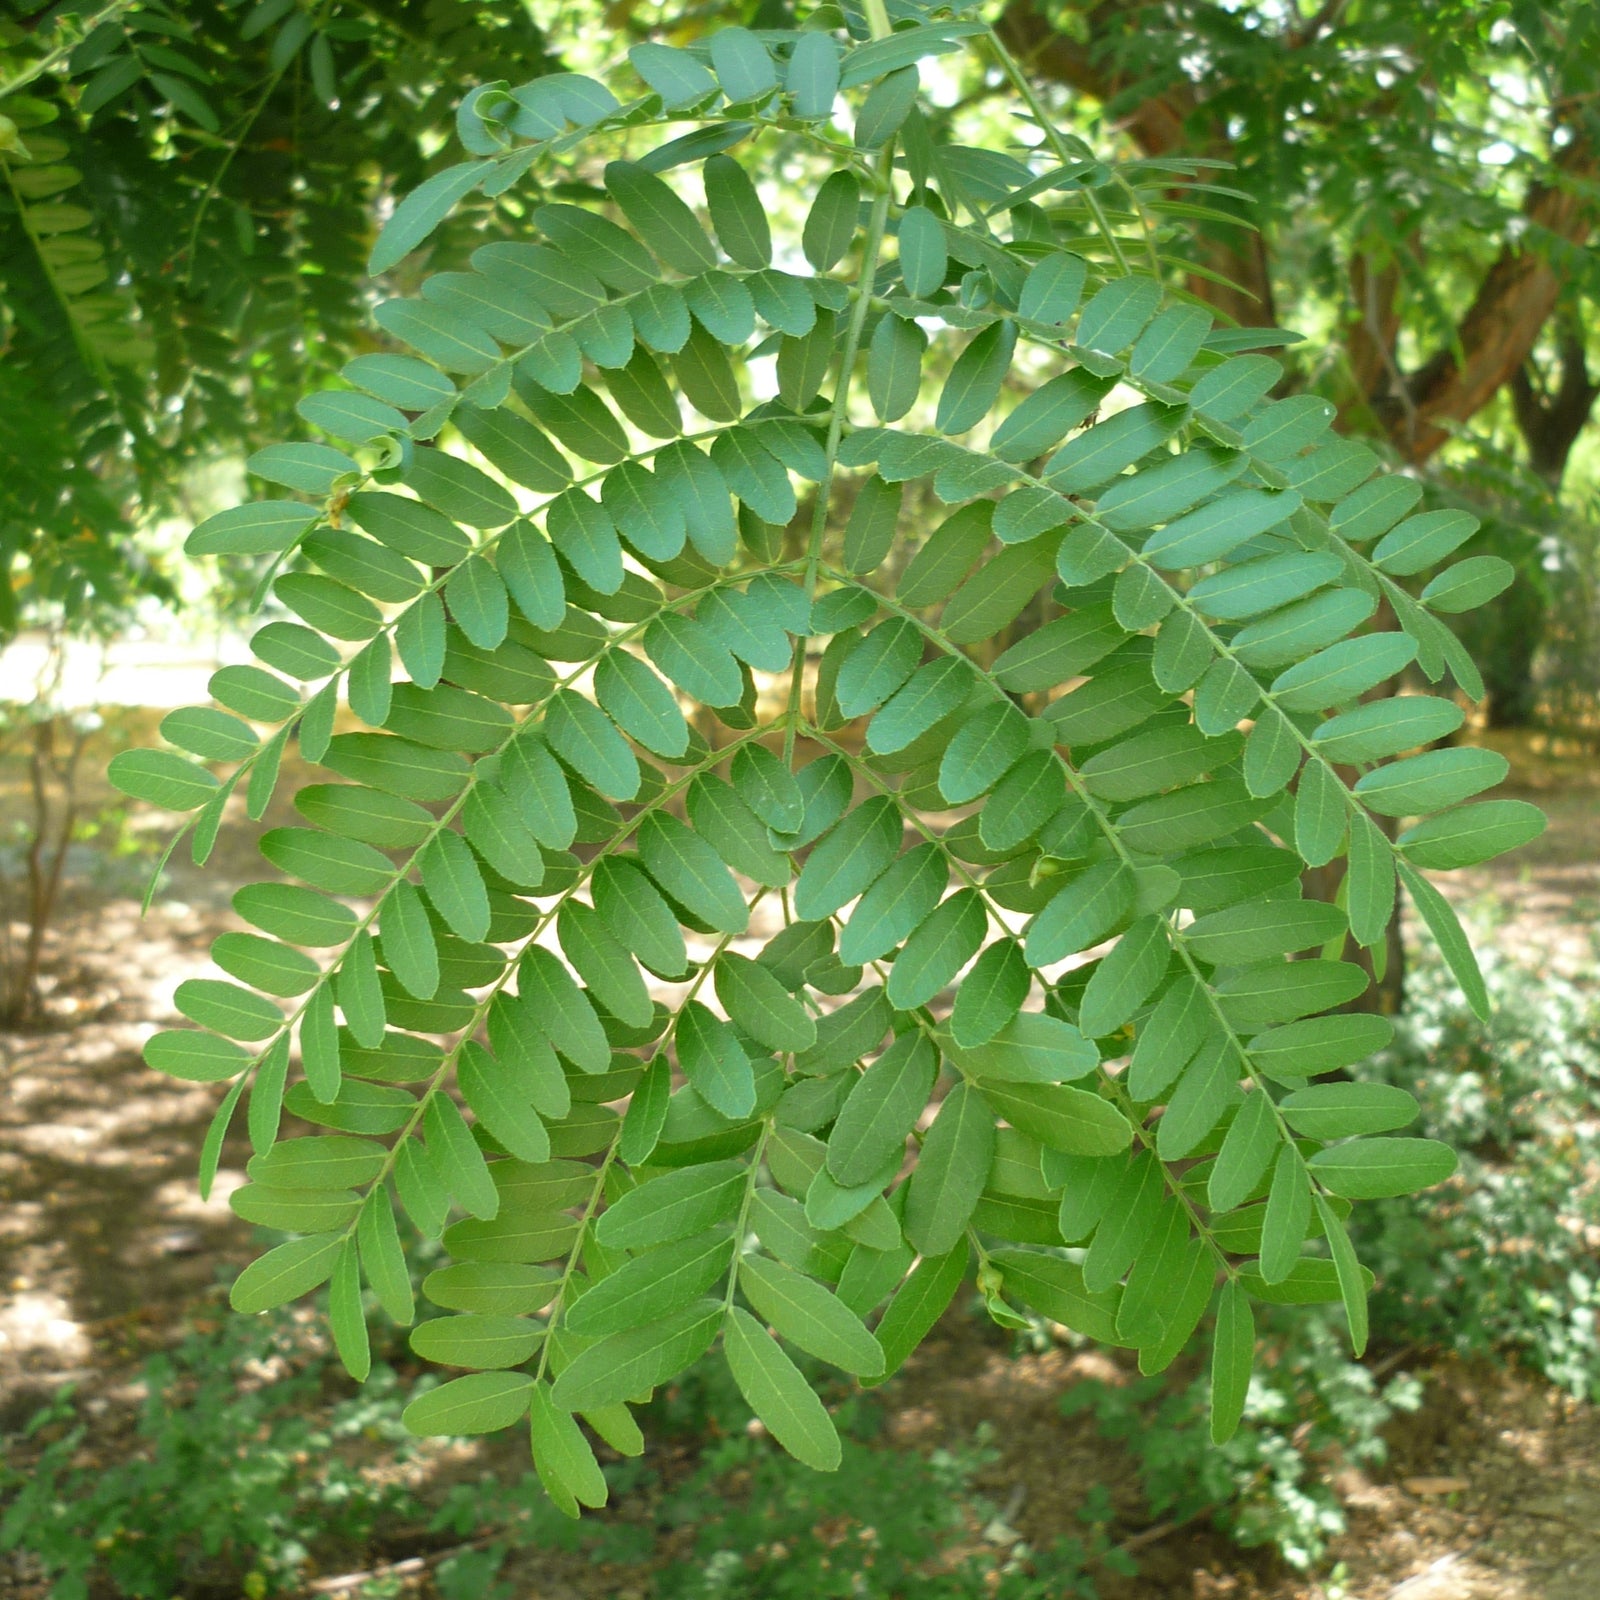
(1512, 305)
(1550, 419)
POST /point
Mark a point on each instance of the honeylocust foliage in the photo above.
(981, 942)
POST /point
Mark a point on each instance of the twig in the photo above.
(1154, 1534)
(411, 1566)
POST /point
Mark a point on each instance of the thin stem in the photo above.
(1020, 82)
(558, 1302)
(741, 1227)
(53, 58)
(836, 421)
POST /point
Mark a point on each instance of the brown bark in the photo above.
(1550, 420)
(1511, 307)
(53, 788)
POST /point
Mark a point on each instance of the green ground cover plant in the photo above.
(1501, 1259)
(240, 1468)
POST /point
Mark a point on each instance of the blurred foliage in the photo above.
(186, 208)
(1311, 1413)
(240, 1471)
(1501, 1258)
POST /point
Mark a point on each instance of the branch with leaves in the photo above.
(1032, 1002)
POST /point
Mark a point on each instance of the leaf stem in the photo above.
(836, 420)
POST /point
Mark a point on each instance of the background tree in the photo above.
(188, 193)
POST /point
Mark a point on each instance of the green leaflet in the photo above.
(1055, 1288)
(831, 222)
(809, 1316)
(1371, 1169)
(627, 1364)
(605, 965)
(562, 1456)
(1260, 930)
(555, 1005)
(1125, 978)
(1032, 1047)
(881, 1110)
(886, 108)
(734, 831)
(1446, 929)
(653, 1285)
(938, 568)
(637, 914)
(813, 79)
(736, 211)
(1430, 781)
(285, 1273)
(1051, 412)
(588, 742)
(346, 1317)
(778, 1394)
(975, 379)
(918, 1304)
(1468, 835)
(483, 1402)
(879, 666)
(663, 221)
(1075, 1121)
(1340, 1110)
(849, 859)
(1250, 1146)
(1081, 914)
(991, 994)
(983, 750)
(691, 872)
(1024, 800)
(1233, 1355)
(934, 692)
(673, 1206)
(493, 1089)
(758, 1003)
(923, 257)
(951, 1171)
(894, 905)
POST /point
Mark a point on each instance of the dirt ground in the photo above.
(1491, 1490)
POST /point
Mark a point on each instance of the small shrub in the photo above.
(1310, 1412)
(1503, 1257)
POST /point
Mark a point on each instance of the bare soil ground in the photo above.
(1491, 1490)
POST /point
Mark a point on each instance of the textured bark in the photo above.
(1511, 307)
(1551, 419)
